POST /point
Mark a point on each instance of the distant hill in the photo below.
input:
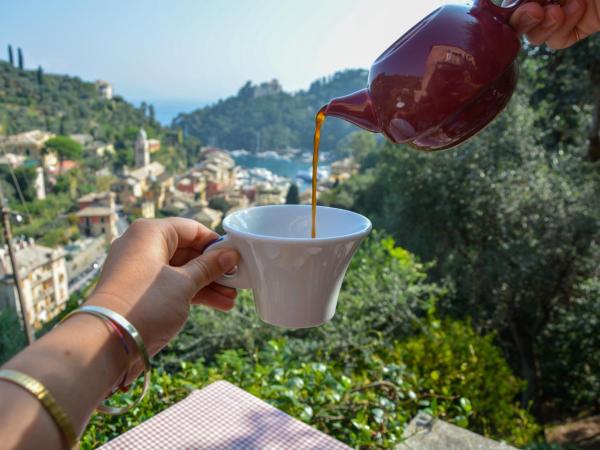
(31, 99)
(266, 117)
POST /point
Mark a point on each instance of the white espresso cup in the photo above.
(296, 280)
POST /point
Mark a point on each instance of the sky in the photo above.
(197, 51)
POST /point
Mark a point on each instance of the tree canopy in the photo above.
(64, 147)
(273, 121)
(511, 218)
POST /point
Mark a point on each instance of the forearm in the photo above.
(79, 362)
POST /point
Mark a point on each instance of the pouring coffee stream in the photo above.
(439, 84)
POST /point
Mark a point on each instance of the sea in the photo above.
(285, 163)
(166, 110)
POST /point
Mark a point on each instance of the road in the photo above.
(83, 279)
(86, 276)
(122, 223)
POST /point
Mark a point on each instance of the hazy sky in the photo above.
(202, 50)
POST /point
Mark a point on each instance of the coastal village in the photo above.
(146, 190)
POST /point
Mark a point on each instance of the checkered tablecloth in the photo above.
(223, 416)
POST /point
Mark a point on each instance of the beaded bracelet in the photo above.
(119, 321)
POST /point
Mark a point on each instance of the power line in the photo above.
(5, 212)
(16, 183)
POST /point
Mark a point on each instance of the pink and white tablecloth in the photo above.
(223, 416)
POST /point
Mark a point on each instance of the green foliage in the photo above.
(362, 146)
(12, 337)
(362, 377)
(172, 157)
(273, 121)
(366, 400)
(511, 217)
(451, 359)
(20, 59)
(571, 336)
(26, 104)
(64, 147)
(47, 219)
(219, 203)
(25, 177)
(40, 75)
(384, 293)
(564, 88)
(293, 195)
(124, 157)
(11, 58)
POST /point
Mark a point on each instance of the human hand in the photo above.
(557, 26)
(156, 270)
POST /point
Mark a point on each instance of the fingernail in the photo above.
(572, 7)
(228, 259)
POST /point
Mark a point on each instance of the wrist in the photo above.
(116, 304)
(81, 348)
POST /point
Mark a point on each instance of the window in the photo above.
(102, 220)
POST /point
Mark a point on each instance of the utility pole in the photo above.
(15, 269)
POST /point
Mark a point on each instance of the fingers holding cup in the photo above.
(216, 296)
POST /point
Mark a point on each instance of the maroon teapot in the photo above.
(443, 81)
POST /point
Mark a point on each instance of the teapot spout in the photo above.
(356, 108)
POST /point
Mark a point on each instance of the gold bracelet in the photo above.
(39, 391)
(119, 320)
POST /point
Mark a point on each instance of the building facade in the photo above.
(44, 281)
(105, 89)
(97, 215)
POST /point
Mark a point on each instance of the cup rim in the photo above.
(298, 240)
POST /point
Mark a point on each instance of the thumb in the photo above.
(209, 267)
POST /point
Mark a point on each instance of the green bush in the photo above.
(361, 378)
(515, 227)
(447, 370)
(385, 292)
(12, 337)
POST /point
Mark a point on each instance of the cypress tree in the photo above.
(293, 195)
(20, 58)
(40, 76)
(11, 58)
(151, 112)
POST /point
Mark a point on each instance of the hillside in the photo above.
(62, 104)
(265, 117)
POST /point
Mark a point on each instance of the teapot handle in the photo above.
(507, 11)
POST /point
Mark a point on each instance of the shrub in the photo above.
(361, 378)
(447, 370)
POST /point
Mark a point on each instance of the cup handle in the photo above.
(239, 278)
